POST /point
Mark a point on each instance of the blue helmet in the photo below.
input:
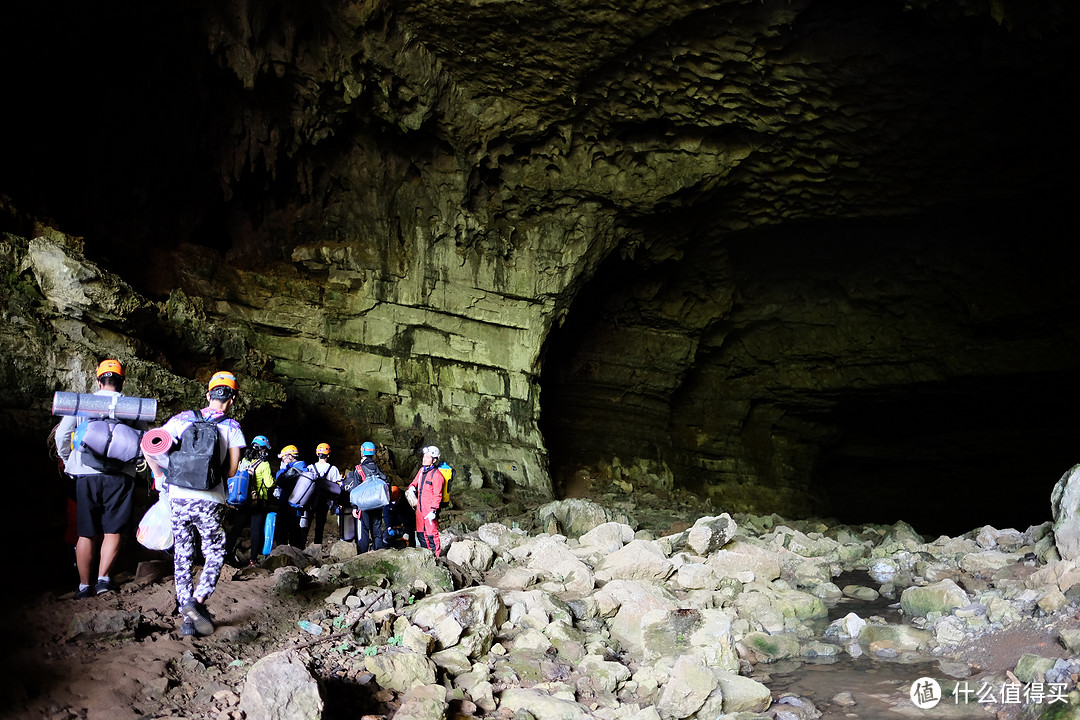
(367, 448)
(261, 441)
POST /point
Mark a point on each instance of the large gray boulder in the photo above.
(1065, 511)
(280, 687)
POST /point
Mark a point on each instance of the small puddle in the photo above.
(879, 687)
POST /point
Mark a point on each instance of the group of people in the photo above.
(104, 500)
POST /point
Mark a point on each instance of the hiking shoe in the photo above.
(103, 586)
(86, 592)
(197, 613)
(187, 628)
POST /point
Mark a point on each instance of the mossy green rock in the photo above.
(943, 596)
(406, 570)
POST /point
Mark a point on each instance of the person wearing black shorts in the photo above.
(103, 501)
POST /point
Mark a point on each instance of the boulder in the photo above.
(401, 670)
(607, 537)
(745, 562)
(280, 687)
(572, 517)
(423, 702)
(709, 534)
(742, 694)
(472, 554)
(541, 705)
(896, 637)
(943, 597)
(768, 647)
(449, 614)
(406, 570)
(686, 690)
(627, 602)
(563, 568)
(1065, 511)
(501, 538)
(637, 560)
(668, 634)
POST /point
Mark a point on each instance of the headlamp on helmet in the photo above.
(222, 386)
(109, 368)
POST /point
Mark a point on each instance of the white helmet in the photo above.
(430, 450)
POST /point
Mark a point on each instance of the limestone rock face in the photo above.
(722, 242)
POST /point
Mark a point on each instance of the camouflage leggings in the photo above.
(207, 517)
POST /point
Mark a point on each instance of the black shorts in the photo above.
(103, 504)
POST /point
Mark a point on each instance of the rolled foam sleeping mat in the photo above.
(101, 406)
(156, 442)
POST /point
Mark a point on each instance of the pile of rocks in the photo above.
(615, 624)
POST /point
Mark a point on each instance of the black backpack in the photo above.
(351, 480)
(195, 464)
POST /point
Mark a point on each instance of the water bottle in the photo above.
(313, 628)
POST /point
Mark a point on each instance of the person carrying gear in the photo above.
(103, 499)
(371, 524)
(400, 520)
(321, 503)
(253, 513)
(428, 493)
(201, 511)
(288, 518)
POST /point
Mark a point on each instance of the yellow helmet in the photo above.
(289, 450)
(110, 367)
(323, 449)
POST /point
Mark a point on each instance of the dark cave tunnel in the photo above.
(976, 299)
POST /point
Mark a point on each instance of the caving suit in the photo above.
(432, 488)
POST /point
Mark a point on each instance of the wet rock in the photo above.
(942, 597)
(896, 637)
(860, 592)
(766, 647)
(742, 694)
(279, 687)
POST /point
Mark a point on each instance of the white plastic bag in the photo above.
(155, 528)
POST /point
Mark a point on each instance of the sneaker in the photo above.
(103, 586)
(86, 592)
(187, 628)
(196, 612)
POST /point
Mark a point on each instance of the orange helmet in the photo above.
(222, 379)
(110, 367)
(289, 450)
(323, 449)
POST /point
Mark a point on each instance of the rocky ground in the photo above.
(619, 609)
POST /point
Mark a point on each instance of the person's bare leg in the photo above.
(84, 555)
(110, 548)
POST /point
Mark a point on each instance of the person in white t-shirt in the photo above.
(202, 510)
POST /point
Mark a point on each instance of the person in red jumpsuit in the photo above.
(428, 492)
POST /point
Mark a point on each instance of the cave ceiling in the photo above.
(727, 242)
